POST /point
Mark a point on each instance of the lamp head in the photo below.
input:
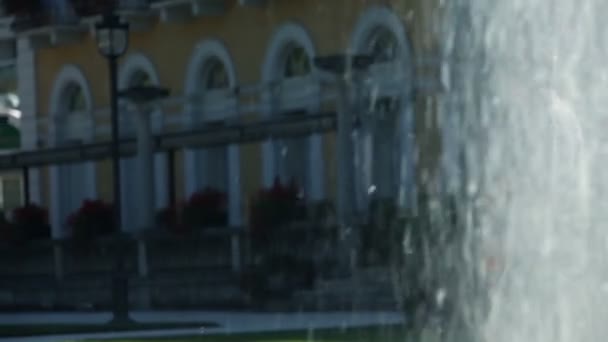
(112, 36)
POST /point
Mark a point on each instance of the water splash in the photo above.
(529, 88)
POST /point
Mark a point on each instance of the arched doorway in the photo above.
(212, 163)
(211, 79)
(383, 148)
(71, 124)
(71, 176)
(293, 89)
(292, 156)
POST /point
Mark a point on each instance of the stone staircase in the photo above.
(367, 289)
(213, 288)
(182, 272)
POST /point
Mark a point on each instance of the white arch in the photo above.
(373, 18)
(68, 76)
(272, 71)
(203, 52)
(286, 34)
(382, 17)
(134, 63)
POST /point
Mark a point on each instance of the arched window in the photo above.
(75, 101)
(382, 45)
(214, 75)
(74, 106)
(140, 78)
(297, 62)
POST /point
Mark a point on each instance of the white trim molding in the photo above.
(215, 105)
(302, 93)
(387, 80)
(69, 76)
(138, 62)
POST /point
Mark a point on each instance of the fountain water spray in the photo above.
(527, 105)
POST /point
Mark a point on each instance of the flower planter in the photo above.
(31, 222)
(274, 208)
(93, 219)
(205, 209)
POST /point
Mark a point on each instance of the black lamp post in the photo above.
(112, 41)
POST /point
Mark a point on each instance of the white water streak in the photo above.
(535, 82)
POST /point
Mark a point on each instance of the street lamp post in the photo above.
(112, 41)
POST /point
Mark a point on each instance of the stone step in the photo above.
(348, 303)
(104, 279)
(190, 294)
(359, 293)
(352, 284)
(355, 282)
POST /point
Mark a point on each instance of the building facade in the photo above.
(229, 61)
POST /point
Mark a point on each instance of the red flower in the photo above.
(32, 221)
(30, 213)
(274, 206)
(94, 217)
(209, 197)
(206, 208)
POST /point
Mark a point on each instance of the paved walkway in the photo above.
(229, 322)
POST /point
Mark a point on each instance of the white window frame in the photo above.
(394, 79)
(216, 105)
(282, 95)
(68, 76)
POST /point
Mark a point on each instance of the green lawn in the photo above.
(376, 334)
(58, 329)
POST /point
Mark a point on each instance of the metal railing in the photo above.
(180, 113)
(203, 137)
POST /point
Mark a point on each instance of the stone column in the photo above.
(145, 170)
(146, 191)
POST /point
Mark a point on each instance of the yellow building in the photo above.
(232, 61)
